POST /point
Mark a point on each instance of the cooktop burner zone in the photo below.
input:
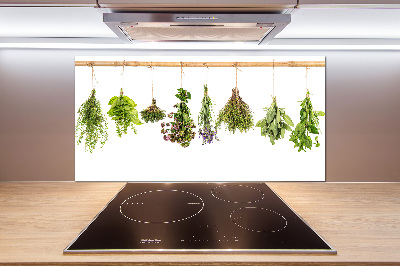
(198, 217)
(153, 206)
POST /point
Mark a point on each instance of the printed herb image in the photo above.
(124, 114)
(91, 123)
(152, 113)
(206, 129)
(275, 123)
(236, 114)
(308, 124)
(181, 129)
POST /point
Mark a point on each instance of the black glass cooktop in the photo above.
(198, 217)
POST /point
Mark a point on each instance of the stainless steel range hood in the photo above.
(177, 27)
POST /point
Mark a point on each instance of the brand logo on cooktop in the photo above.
(150, 241)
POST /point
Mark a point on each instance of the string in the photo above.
(181, 73)
(307, 95)
(273, 79)
(151, 71)
(92, 77)
(236, 67)
(123, 75)
(123, 78)
(236, 75)
(206, 90)
(205, 64)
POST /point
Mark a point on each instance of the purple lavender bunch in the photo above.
(206, 130)
(208, 135)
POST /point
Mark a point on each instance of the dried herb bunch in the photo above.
(91, 123)
(236, 114)
(181, 129)
(206, 129)
(309, 123)
(275, 123)
(124, 114)
(152, 113)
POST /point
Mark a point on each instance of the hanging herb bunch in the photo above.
(124, 114)
(275, 123)
(152, 113)
(236, 114)
(91, 123)
(206, 129)
(309, 124)
(181, 129)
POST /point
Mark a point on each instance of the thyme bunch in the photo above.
(236, 114)
(91, 123)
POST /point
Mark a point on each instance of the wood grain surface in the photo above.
(360, 220)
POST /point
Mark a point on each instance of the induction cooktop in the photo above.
(198, 218)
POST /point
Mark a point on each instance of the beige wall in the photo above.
(37, 112)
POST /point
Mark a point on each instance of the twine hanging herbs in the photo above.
(206, 129)
(309, 123)
(181, 129)
(124, 114)
(152, 113)
(236, 114)
(275, 123)
(91, 124)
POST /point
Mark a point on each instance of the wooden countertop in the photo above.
(360, 220)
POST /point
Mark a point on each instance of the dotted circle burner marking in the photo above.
(228, 193)
(138, 207)
(263, 220)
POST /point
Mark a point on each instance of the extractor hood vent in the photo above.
(174, 27)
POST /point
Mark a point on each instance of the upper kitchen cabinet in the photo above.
(87, 3)
(200, 2)
(347, 3)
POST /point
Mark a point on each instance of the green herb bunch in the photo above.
(91, 123)
(275, 123)
(206, 129)
(236, 114)
(124, 114)
(181, 129)
(309, 123)
(152, 113)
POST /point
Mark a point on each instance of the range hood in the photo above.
(179, 27)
